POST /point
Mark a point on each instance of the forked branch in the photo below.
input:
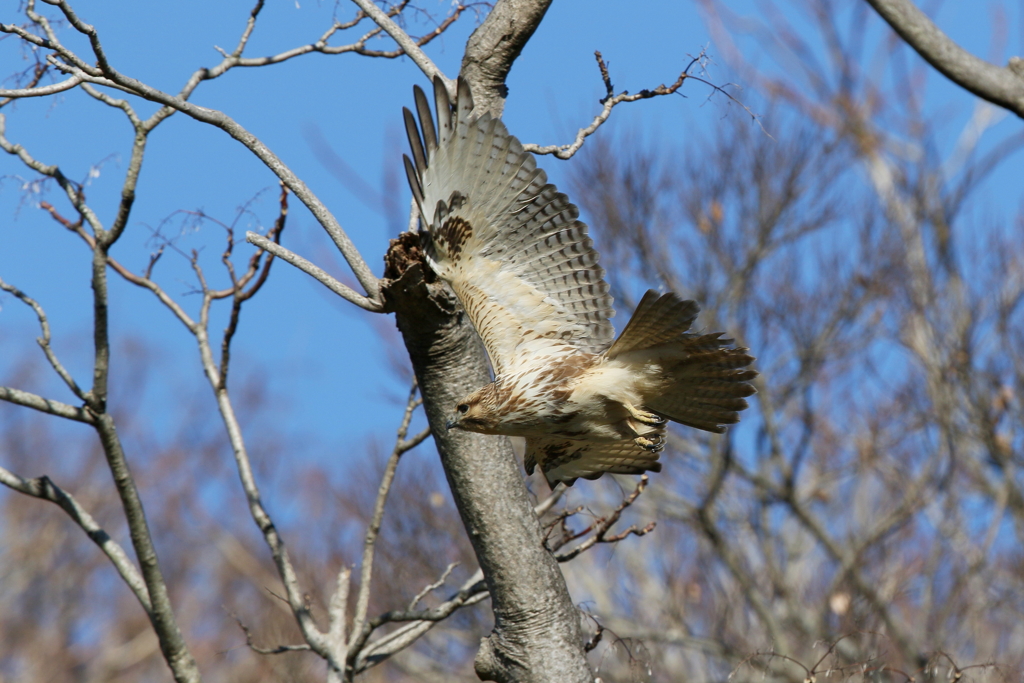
(599, 529)
(611, 100)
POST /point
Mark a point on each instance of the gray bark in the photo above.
(495, 45)
(1000, 86)
(537, 633)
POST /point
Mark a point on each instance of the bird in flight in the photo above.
(512, 249)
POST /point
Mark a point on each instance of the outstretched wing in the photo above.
(567, 459)
(507, 241)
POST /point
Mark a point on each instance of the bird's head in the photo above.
(476, 412)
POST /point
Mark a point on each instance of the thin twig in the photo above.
(610, 101)
(294, 595)
(373, 528)
(239, 294)
(44, 341)
(603, 525)
(250, 24)
(549, 502)
(115, 103)
(473, 590)
(431, 587)
(280, 649)
(609, 88)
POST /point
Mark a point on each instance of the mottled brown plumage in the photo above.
(511, 247)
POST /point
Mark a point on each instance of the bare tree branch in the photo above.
(314, 271)
(46, 405)
(373, 528)
(1002, 86)
(44, 489)
(162, 616)
(408, 45)
(431, 587)
(44, 341)
(321, 45)
(603, 525)
(105, 74)
(611, 100)
(161, 613)
(294, 594)
(41, 91)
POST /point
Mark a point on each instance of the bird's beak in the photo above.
(452, 422)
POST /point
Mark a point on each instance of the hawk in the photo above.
(512, 249)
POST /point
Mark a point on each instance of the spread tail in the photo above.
(703, 380)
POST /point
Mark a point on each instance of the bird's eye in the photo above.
(463, 408)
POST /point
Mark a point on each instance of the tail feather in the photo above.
(704, 380)
(705, 389)
(715, 403)
(695, 413)
(657, 320)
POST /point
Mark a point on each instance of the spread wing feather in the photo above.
(567, 460)
(509, 244)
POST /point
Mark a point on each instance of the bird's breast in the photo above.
(576, 397)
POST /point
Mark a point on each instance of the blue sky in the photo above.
(324, 358)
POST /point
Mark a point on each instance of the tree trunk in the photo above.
(537, 633)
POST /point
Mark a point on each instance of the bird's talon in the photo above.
(644, 416)
(654, 445)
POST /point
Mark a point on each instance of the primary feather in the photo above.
(512, 249)
(506, 240)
